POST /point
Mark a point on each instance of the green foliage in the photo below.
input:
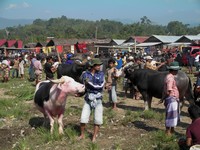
(109, 115)
(22, 145)
(71, 133)
(47, 137)
(158, 141)
(116, 146)
(64, 27)
(73, 111)
(131, 116)
(150, 114)
(177, 28)
(93, 146)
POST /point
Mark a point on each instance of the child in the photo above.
(5, 68)
(111, 82)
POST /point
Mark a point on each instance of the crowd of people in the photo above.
(96, 80)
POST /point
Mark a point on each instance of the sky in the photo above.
(158, 11)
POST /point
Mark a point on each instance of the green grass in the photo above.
(12, 108)
(71, 133)
(158, 140)
(131, 116)
(93, 146)
(16, 109)
(150, 114)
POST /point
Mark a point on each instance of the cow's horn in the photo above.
(78, 62)
(61, 80)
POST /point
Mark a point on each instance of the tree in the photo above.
(177, 28)
(145, 20)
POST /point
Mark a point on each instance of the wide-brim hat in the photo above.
(174, 66)
(5, 62)
(130, 57)
(149, 58)
(96, 61)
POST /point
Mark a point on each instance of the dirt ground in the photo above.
(113, 134)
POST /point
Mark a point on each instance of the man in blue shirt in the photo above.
(94, 82)
(119, 62)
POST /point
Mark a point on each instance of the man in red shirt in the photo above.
(193, 130)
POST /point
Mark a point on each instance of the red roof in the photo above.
(19, 44)
(140, 39)
(11, 43)
(2, 42)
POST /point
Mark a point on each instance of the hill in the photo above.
(13, 22)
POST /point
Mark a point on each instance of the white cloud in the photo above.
(17, 6)
(12, 6)
(25, 5)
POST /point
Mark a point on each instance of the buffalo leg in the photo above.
(146, 100)
(60, 122)
(149, 101)
(51, 121)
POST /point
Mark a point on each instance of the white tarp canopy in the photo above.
(148, 44)
(178, 44)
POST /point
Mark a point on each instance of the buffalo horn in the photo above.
(61, 80)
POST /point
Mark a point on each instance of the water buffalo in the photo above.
(50, 98)
(74, 70)
(150, 83)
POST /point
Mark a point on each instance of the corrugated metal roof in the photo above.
(192, 37)
(128, 44)
(118, 41)
(188, 38)
(162, 38)
(178, 44)
(148, 44)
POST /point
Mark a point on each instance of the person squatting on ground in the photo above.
(111, 83)
(171, 99)
(192, 132)
(94, 81)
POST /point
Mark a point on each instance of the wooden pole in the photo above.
(135, 45)
(5, 51)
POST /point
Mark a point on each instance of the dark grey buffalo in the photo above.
(72, 70)
(150, 83)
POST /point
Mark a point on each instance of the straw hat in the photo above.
(149, 58)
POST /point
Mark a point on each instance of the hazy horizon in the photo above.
(158, 11)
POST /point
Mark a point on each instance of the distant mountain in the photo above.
(4, 22)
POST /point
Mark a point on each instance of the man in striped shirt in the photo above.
(94, 82)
